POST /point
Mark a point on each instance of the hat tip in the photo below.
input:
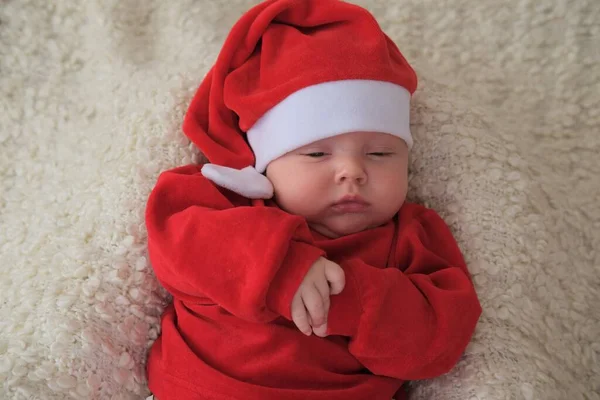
(247, 182)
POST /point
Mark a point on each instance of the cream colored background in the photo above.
(507, 124)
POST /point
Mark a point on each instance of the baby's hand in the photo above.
(310, 305)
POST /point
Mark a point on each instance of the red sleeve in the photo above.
(411, 324)
(208, 245)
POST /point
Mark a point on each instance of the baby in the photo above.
(297, 269)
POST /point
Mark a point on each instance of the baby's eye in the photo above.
(380, 154)
(316, 154)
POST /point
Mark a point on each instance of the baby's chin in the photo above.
(344, 225)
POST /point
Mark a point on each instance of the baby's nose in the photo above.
(351, 170)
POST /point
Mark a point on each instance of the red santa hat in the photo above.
(292, 72)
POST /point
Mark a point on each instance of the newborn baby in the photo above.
(297, 269)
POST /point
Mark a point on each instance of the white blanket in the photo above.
(507, 128)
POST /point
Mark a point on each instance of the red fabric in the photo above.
(275, 49)
(407, 312)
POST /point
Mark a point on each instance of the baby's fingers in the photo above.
(300, 316)
(313, 301)
(321, 331)
(323, 288)
(336, 277)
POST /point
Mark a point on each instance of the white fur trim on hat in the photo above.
(329, 109)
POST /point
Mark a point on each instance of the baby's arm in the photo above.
(248, 260)
(411, 324)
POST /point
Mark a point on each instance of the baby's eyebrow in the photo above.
(310, 149)
(383, 145)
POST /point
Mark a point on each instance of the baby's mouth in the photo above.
(351, 204)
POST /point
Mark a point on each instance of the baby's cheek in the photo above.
(293, 200)
(392, 195)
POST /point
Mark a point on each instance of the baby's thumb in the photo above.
(336, 277)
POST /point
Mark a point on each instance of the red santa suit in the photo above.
(292, 72)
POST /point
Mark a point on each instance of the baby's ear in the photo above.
(409, 164)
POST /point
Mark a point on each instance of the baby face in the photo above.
(344, 184)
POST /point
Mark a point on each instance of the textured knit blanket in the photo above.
(507, 127)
